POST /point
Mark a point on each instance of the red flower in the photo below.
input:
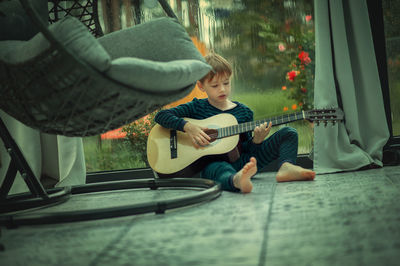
(304, 90)
(308, 18)
(304, 58)
(291, 75)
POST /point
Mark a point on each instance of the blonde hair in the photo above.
(219, 64)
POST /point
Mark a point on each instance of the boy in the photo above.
(253, 152)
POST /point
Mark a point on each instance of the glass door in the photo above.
(269, 43)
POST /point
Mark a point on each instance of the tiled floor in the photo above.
(338, 219)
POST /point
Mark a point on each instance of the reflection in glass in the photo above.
(269, 43)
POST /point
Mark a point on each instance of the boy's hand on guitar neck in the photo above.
(261, 132)
(197, 135)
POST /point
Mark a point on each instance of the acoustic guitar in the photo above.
(171, 153)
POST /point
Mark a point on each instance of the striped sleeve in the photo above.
(248, 116)
(173, 118)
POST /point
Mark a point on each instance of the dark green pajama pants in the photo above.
(281, 146)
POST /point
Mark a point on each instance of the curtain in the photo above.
(346, 75)
(63, 159)
(57, 157)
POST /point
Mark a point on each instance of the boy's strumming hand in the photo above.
(197, 135)
(261, 132)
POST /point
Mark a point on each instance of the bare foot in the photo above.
(242, 178)
(290, 172)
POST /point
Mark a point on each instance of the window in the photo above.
(269, 43)
(392, 33)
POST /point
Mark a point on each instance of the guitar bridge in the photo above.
(173, 144)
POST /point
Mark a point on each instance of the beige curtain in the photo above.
(58, 157)
(346, 69)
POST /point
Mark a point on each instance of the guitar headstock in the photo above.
(326, 115)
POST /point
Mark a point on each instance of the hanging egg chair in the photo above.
(63, 80)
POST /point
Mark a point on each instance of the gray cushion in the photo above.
(156, 56)
(157, 76)
(162, 39)
(71, 33)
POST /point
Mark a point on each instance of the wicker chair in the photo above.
(86, 12)
(60, 90)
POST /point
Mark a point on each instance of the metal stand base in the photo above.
(39, 197)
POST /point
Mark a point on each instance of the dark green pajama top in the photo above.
(201, 109)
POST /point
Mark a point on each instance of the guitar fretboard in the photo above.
(250, 126)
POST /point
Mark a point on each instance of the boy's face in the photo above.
(218, 88)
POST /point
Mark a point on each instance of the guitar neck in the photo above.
(250, 126)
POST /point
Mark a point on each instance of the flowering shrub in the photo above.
(137, 133)
(294, 47)
(300, 79)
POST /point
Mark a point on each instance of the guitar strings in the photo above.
(213, 135)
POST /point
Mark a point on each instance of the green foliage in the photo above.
(292, 45)
(300, 81)
(137, 133)
(265, 37)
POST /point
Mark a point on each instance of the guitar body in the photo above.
(159, 147)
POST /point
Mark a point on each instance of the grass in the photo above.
(269, 104)
(103, 155)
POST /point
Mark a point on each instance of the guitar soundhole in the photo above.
(213, 133)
